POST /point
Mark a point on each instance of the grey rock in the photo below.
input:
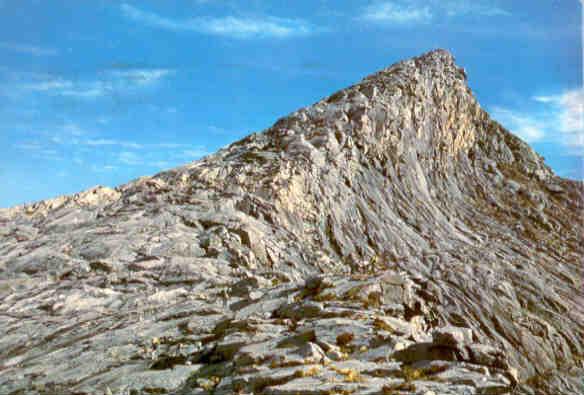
(452, 336)
(391, 238)
(555, 188)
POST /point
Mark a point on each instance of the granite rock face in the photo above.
(389, 239)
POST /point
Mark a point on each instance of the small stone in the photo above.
(512, 186)
(452, 336)
(401, 345)
(555, 188)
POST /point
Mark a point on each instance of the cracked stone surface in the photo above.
(389, 239)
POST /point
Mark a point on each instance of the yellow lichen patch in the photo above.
(313, 371)
(352, 293)
(410, 374)
(210, 383)
(397, 388)
(351, 375)
(341, 392)
(380, 323)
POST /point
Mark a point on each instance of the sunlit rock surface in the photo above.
(389, 239)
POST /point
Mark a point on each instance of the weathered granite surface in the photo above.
(389, 239)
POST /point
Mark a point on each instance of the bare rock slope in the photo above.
(389, 239)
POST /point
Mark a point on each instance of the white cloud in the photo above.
(82, 92)
(568, 112)
(28, 49)
(67, 134)
(522, 125)
(418, 11)
(29, 146)
(143, 76)
(161, 164)
(38, 150)
(111, 142)
(227, 26)
(61, 87)
(544, 99)
(130, 144)
(71, 134)
(73, 129)
(87, 149)
(103, 169)
(50, 85)
(465, 7)
(390, 12)
(160, 159)
(559, 119)
(130, 158)
(108, 83)
(170, 145)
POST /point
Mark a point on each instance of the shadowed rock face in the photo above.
(389, 239)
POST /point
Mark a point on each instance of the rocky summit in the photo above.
(389, 239)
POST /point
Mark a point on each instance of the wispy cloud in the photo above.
(62, 87)
(160, 160)
(132, 144)
(226, 26)
(465, 7)
(142, 76)
(130, 158)
(50, 85)
(524, 126)
(110, 82)
(71, 143)
(112, 142)
(39, 150)
(390, 12)
(559, 118)
(568, 113)
(28, 49)
(103, 168)
(401, 12)
(68, 133)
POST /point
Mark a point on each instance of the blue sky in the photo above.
(101, 92)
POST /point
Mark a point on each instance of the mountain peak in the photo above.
(438, 55)
(391, 230)
(439, 62)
